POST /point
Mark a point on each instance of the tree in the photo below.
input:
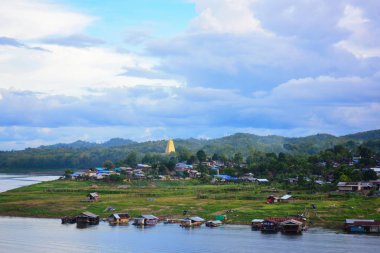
(238, 158)
(369, 175)
(108, 165)
(131, 159)
(201, 155)
(68, 173)
(215, 157)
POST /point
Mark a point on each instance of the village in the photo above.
(292, 224)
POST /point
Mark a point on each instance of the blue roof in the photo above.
(226, 177)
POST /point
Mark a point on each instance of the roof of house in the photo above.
(262, 180)
(149, 217)
(291, 221)
(94, 194)
(351, 221)
(195, 218)
(286, 196)
(89, 214)
(257, 220)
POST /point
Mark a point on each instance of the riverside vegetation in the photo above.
(241, 202)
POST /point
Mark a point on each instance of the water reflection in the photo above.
(48, 235)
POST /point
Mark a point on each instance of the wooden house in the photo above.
(87, 218)
(118, 218)
(291, 227)
(145, 220)
(192, 222)
(93, 196)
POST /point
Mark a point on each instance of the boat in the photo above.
(172, 221)
(145, 220)
(213, 223)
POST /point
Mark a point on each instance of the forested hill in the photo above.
(80, 154)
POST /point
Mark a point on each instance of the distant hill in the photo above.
(114, 142)
(82, 154)
(367, 136)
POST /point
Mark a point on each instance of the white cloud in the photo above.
(225, 16)
(24, 19)
(70, 70)
(364, 37)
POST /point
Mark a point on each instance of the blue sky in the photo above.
(154, 69)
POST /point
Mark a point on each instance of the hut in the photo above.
(213, 223)
(93, 196)
(256, 224)
(291, 227)
(118, 218)
(272, 199)
(145, 220)
(87, 218)
(192, 222)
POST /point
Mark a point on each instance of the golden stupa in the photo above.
(170, 147)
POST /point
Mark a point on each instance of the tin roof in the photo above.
(89, 214)
(351, 221)
(149, 217)
(287, 196)
(257, 220)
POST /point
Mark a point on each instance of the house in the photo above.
(376, 184)
(262, 181)
(182, 167)
(87, 218)
(291, 180)
(287, 198)
(291, 226)
(118, 218)
(256, 224)
(194, 174)
(93, 196)
(361, 226)
(192, 222)
(145, 220)
(143, 167)
(272, 199)
(354, 186)
(213, 223)
(224, 178)
(377, 170)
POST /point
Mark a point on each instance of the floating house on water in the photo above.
(192, 222)
(213, 223)
(256, 224)
(118, 218)
(87, 218)
(291, 227)
(145, 220)
(362, 226)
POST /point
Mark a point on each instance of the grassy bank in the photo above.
(169, 199)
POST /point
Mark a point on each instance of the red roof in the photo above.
(280, 219)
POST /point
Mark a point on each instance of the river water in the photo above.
(9, 182)
(48, 235)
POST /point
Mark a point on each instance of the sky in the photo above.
(157, 69)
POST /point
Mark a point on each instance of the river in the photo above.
(48, 235)
(10, 181)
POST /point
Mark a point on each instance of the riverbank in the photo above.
(168, 199)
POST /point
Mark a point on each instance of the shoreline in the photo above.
(241, 203)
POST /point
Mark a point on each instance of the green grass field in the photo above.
(168, 199)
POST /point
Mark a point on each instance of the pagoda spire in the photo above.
(170, 147)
